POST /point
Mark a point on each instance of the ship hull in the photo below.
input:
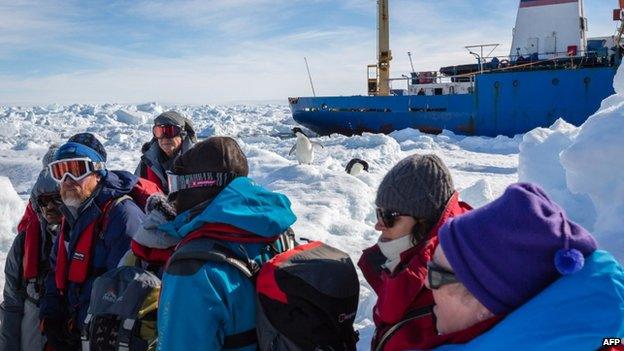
(506, 103)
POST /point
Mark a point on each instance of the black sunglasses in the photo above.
(44, 200)
(439, 276)
(387, 217)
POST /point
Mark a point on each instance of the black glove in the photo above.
(59, 335)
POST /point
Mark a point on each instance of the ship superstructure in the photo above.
(552, 71)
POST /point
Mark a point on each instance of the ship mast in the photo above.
(383, 48)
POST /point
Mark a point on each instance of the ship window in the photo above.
(516, 83)
(437, 91)
(555, 81)
(451, 90)
(324, 106)
(587, 80)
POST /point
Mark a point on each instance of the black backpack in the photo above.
(307, 295)
(122, 312)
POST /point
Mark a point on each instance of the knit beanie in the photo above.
(176, 119)
(216, 154)
(82, 145)
(508, 251)
(419, 186)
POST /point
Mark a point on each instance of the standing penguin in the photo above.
(304, 147)
(356, 166)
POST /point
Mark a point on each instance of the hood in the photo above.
(45, 184)
(116, 184)
(574, 313)
(242, 204)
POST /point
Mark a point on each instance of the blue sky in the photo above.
(207, 52)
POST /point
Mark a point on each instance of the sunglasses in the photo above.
(75, 168)
(166, 131)
(439, 276)
(45, 199)
(387, 217)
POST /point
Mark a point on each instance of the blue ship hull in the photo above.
(506, 103)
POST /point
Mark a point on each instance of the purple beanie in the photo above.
(504, 252)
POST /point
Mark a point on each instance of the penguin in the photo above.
(356, 166)
(304, 147)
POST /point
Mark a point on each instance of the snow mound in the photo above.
(581, 168)
(594, 164)
(129, 118)
(11, 210)
(478, 194)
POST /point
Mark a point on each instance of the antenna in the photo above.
(409, 54)
(309, 76)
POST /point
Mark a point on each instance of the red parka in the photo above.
(404, 291)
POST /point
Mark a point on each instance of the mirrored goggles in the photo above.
(179, 182)
(387, 217)
(166, 131)
(76, 168)
(439, 276)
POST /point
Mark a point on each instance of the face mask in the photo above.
(393, 249)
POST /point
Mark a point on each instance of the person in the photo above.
(99, 219)
(211, 305)
(413, 200)
(518, 272)
(27, 264)
(173, 134)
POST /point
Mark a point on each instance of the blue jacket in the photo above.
(123, 220)
(201, 304)
(574, 313)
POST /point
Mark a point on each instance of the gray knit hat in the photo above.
(419, 185)
(176, 119)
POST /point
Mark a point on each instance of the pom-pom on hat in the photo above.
(508, 251)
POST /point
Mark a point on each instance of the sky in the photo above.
(226, 51)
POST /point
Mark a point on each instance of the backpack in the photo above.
(307, 295)
(124, 301)
(122, 312)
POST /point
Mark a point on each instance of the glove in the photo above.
(58, 335)
(159, 211)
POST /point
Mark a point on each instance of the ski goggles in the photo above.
(439, 276)
(179, 182)
(75, 168)
(166, 131)
(387, 217)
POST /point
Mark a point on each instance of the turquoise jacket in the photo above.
(200, 304)
(574, 313)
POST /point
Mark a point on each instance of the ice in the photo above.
(11, 210)
(579, 166)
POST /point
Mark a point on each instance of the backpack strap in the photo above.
(410, 316)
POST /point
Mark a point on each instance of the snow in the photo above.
(579, 167)
(11, 210)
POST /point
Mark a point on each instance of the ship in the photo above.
(553, 71)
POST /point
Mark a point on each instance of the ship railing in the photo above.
(505, 64)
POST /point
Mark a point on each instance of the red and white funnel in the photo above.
(549, 29)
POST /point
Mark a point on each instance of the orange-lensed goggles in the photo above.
(166, 131)
(76, 168)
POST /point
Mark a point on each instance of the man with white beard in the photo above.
(99, 220)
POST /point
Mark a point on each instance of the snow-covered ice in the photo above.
(579, 167)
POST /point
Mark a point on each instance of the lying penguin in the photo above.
(304, 147)
(356, 166)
